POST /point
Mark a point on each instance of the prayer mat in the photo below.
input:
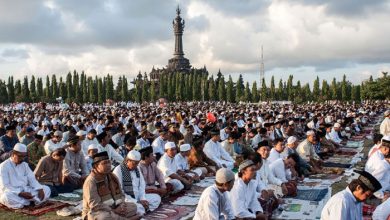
(74, 198)
(293, 207)
(187, 200)
(333, 164)
(39, 210)
(346, 153)
(170, 212)
(311, 194)
(325, 176)
(354, 144)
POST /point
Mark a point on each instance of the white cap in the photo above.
(387, 113)
(290, 122)
(134, 155)
(336, 125)
(185, 147)
(20, 148)
(92, 147)
(169, 145)
(347, 128)
(224, 175)
(19, 120)
(291, 140)
(44, 123)
(81, 133)
(310, 133)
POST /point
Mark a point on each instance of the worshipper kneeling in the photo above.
(198, 159)
(284, 170)
(214, 150)
(133, 184)
(306, 151)
(168, 167)
(183, 168)
(75, 169)
(18, 186)
(347, 204)
(214, 203)
(49, 172)
(102, 195)
(151, 173)
(92, 150)
(379, 167)
(243, 194)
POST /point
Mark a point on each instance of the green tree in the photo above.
(11, 89)
(280, 93)
(100, 91)
(33, 89)
(264, 91)
(48, 91)
(247, 93)
(239, 88)
(255, 92)
(290, 88)
(69, 87)
(316, 89)
(39, 87)
(54, 86)
(333, 89)
(230, 96)
(153, 96)
(212, 90)
(325, 91)
(272, 91)
(221, 89)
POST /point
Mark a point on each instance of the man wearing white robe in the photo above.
(181, 160)
(159, 143)
(104, 145)
(144, 201)
(214, 203)
(281, 168)
(18, 185)
(379, 167)
(243, 194)
(276, 151)
(216, 153)
(347, 204)
(89, 139)
(385, 125)
(54, 142)
(167, 165)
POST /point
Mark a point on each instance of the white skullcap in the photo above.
(224, 175)
(387, 113)
(291, 122)
(185, 147)
(291, 140)
(310, 133)
(336, 125)
(19, 120)
(20, 148)
(92, 147)
(347, 129)
(169, 145)
(338, 120)
(44, 123)
(386, 139)
(81, 133)
(134, 155)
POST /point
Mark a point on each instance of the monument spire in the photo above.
(178, 29)
(178, 62)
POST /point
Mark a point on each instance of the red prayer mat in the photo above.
(169, 212)
(37, 210)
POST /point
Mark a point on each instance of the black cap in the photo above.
(214, 132)
(10, 127)
(39, 137)
(369, 180)
(100, 157)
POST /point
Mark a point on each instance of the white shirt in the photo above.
(214, 205)
(382, 212)
(50, 146)
(279, 171)
(373, 148)
(342, 206)
(334, 136)
(85, 144)
(99, 128)
(143, 143)
(158, 145)
(181, 162)
(274, 155)
(112, 153)
(255, 141)
(380, 169)
(243, 197)
(167, 166)
(215, 152)
(385, 127)
(267, 177)
(223, 134)
(138, 184)
(17, 178)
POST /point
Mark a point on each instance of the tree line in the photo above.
(193, 86)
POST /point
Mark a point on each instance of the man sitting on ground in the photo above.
(214, 202)
(18, 185)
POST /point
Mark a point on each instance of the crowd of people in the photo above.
(126, 158)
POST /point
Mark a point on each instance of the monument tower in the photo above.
(178, 63)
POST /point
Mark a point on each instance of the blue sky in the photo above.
(305, 38)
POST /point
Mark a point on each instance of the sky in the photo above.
(305, 38)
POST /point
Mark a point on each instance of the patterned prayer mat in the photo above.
(74, 198)
(38, 210)
(170, 212)
(311, 194)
